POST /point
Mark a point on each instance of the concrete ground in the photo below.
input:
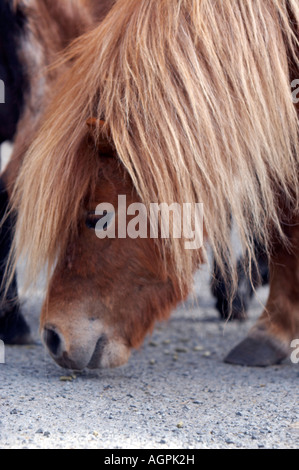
(175, 392)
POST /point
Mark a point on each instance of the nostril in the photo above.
(98, 351)
(53, 341)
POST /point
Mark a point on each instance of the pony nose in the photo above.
(54, 341)
(72, 357)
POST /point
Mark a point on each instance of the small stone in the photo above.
(181, 350)
(198, 348)
(295, 425)
(66, 378)
(207, 354)
(180, 425)
(229, 441)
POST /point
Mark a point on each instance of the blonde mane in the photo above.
(197, 99)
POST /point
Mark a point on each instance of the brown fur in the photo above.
(197, 106)
(222, 131)
(280, 318)
(129, 304)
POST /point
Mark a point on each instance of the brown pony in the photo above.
(190, 103)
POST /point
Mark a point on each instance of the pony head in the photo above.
(120, 283)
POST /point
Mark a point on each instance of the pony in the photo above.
(13, 326)
(11, 70)
(162, 102)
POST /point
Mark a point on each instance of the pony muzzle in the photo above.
(99, 353)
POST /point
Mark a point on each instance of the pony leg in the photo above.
(220, 288)
(13, 327)
(268, 342)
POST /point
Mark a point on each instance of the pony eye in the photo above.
(92, 219)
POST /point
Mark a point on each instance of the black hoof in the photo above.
(261, 351)
(14, 328)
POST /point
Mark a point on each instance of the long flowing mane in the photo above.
(197, 99)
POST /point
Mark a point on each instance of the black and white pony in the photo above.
(13, 327)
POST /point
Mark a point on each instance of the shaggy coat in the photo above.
(185, 101)
(199, 109)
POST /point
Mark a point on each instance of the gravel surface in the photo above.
(175, 392)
